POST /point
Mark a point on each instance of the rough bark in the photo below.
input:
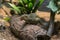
(26, 31)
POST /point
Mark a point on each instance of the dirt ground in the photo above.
(46, 15)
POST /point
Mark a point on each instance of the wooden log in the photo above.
(28, 32)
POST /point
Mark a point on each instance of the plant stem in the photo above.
(51, 25)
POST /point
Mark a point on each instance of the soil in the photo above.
(7, 35)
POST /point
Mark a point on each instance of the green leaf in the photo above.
(26, 6)
(52, 6)
(30, 0)
(20, 1)
(7, 19)
(38, 5)
(25, 1)
(30, 5)
(14, 7)
(33, 1)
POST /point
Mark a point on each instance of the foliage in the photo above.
(6, 18)
(15, 8)
(54, 5)
(26, 6)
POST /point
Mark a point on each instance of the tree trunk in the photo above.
(51, 25)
